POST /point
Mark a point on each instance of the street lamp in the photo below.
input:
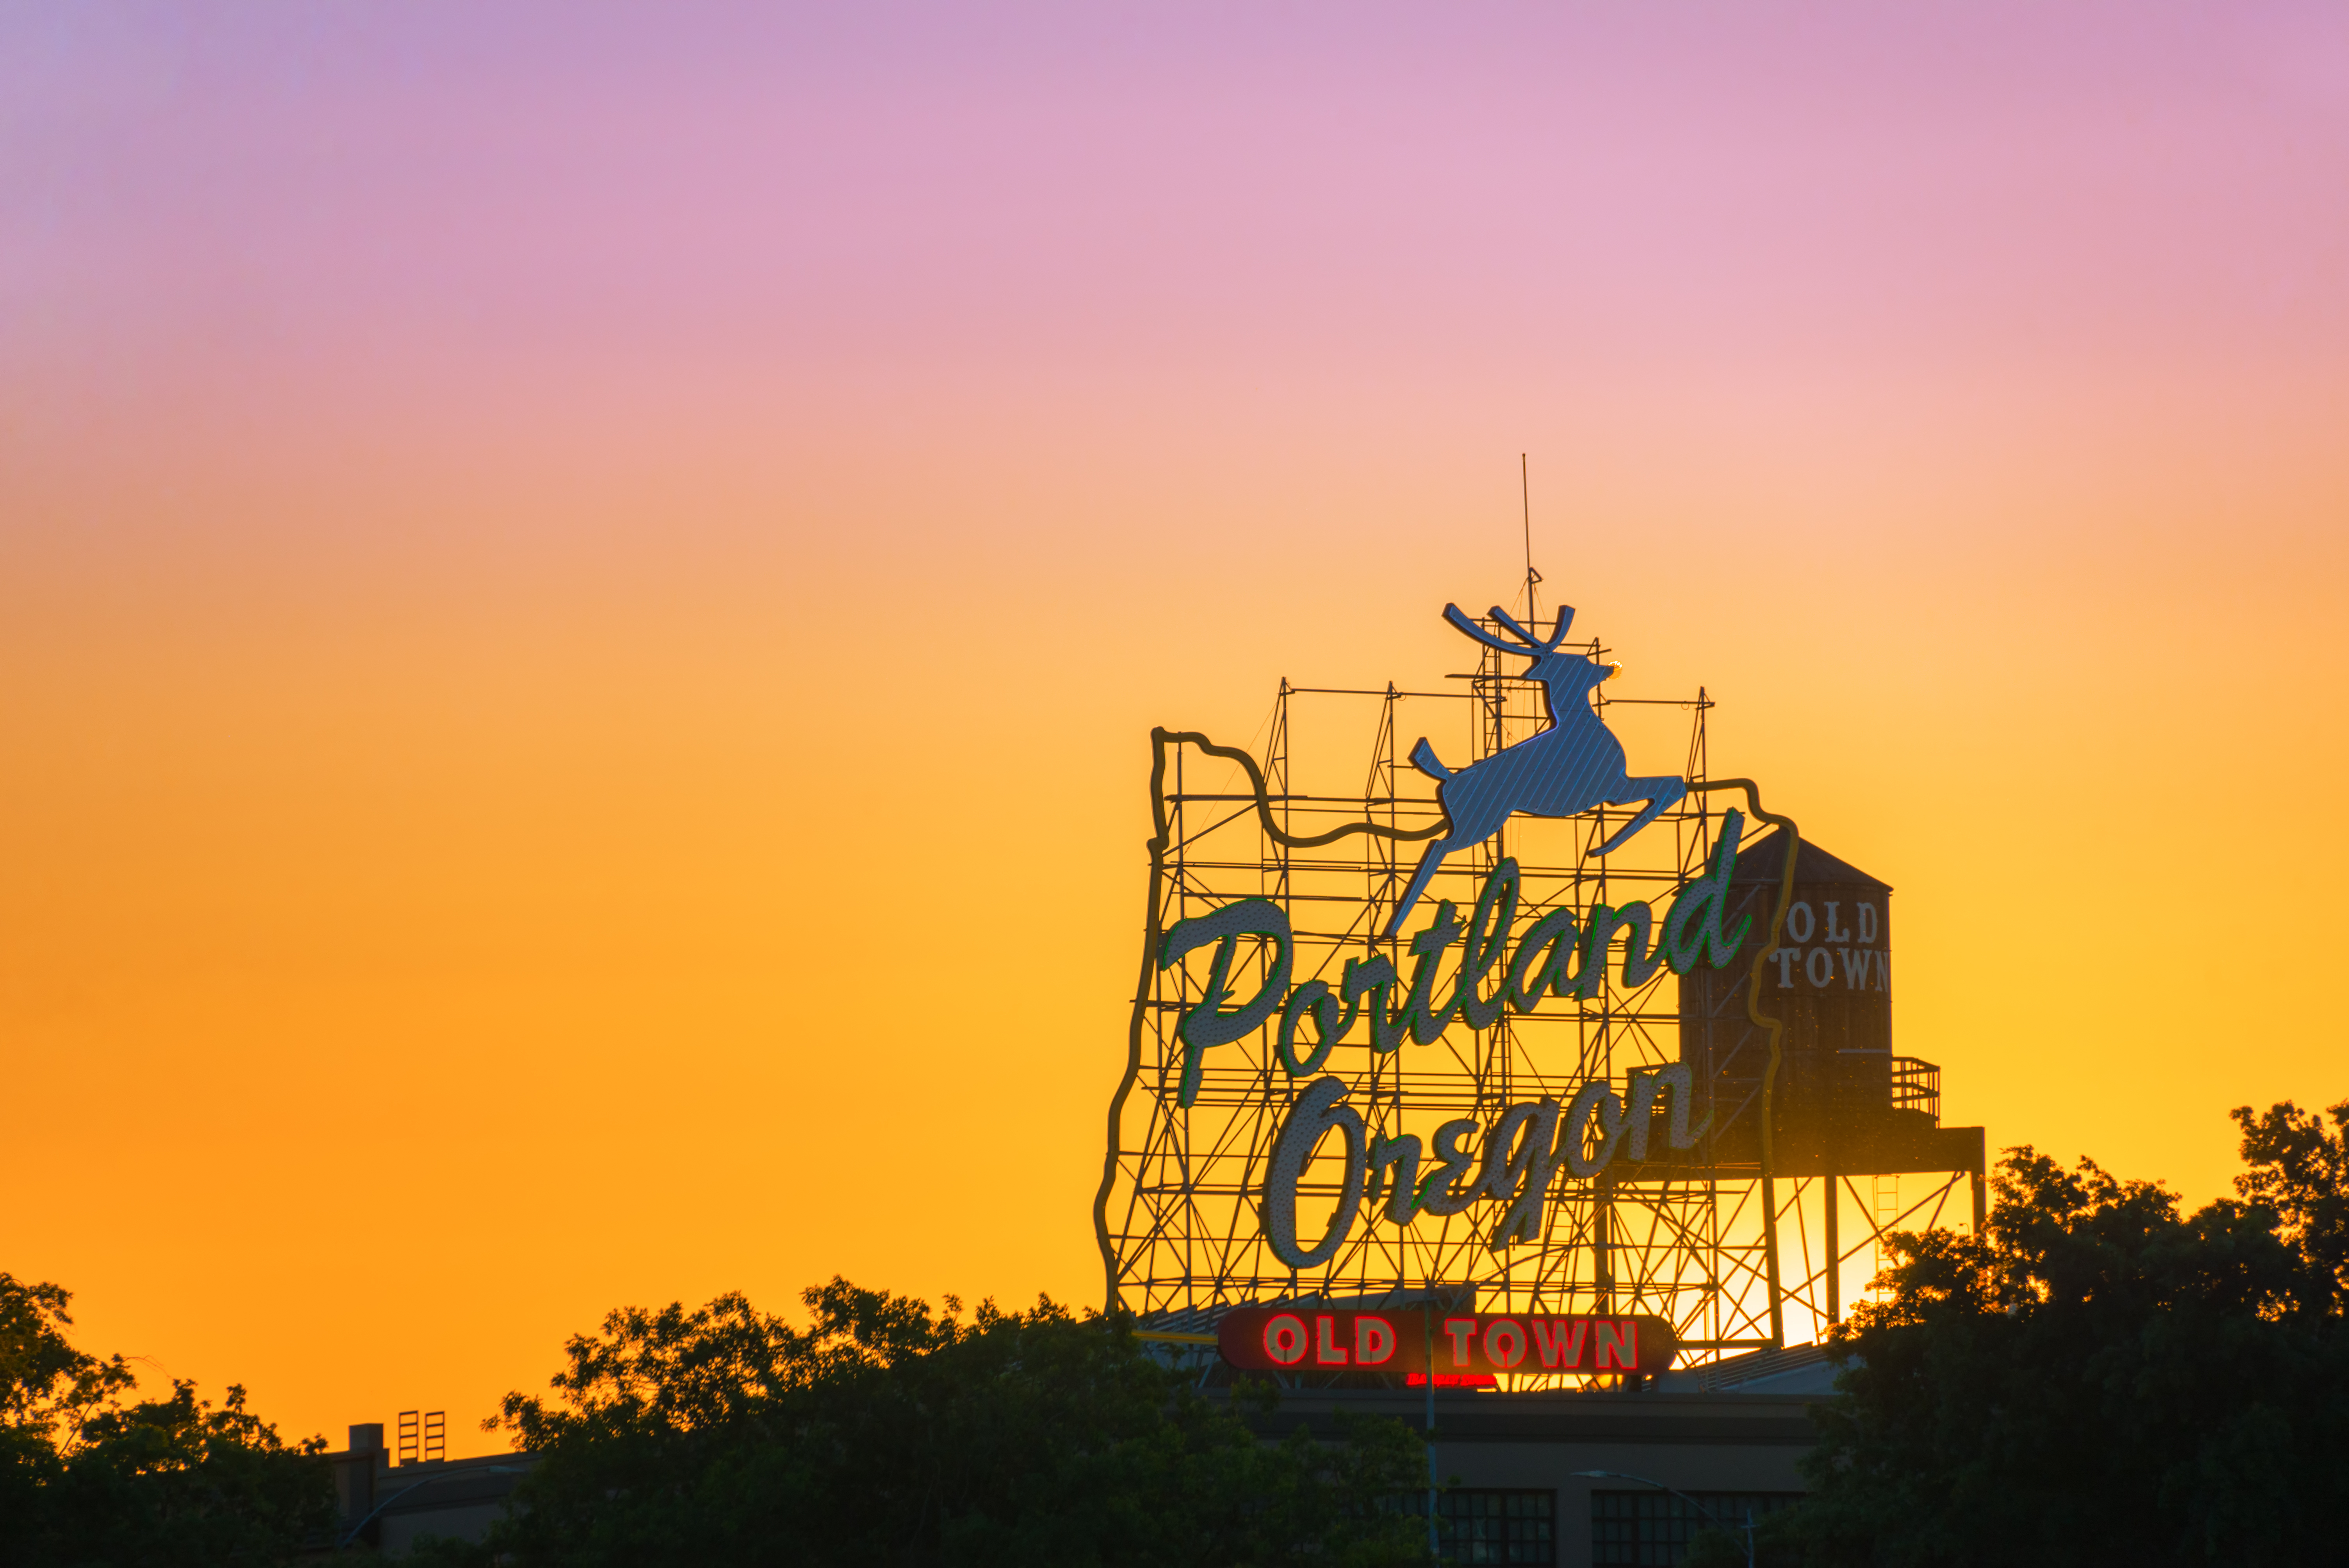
(1660, 1486)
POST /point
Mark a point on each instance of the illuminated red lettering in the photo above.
(1374, 1340)
(1325, 1341)
(1504, 1343)
(1284, 1339)
(1558, 1340)
(1618, 1346)
(1463, 1331)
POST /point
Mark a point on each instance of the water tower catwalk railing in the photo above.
(1736, 1256)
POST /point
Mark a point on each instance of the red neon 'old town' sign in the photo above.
(1283, 1339)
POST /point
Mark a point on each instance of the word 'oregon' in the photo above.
(1522, 1155)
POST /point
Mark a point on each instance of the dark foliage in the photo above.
(92, 1480)
(2101, 1378)
(2301, 1172)
(886, 1434)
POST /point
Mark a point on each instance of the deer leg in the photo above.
(1661, 794)
(1429, 859)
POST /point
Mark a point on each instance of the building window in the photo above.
(1651, 1529)
(1488, 1526)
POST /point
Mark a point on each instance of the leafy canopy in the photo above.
(2101, 1378)
(89, 1478)
(886, 1433)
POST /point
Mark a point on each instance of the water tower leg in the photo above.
(1834, 1256)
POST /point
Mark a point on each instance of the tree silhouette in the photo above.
(92, 1479)
(886, 1433)
(2100, 1379)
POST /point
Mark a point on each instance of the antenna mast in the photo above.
(1525, 489)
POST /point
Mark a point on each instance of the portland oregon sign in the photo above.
(1455, 1037)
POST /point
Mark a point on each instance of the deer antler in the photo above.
(1545, 644)
(1533, 647)
(1467, 627)
(1510, 622)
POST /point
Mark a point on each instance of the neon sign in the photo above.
(1268, 1153)
(1570, 766)
(1524, 1150)
(1452, 1344)
(1549, 958)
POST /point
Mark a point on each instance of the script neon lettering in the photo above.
(1552, 957)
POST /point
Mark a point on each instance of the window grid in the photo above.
(1651, 1529)
(1491, 1525)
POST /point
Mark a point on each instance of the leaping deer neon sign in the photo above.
(1563, 771)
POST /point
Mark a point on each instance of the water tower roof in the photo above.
(1765, 860)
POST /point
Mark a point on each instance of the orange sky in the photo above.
(548, 636)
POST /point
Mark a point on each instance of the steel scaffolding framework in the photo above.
(1178, 1216)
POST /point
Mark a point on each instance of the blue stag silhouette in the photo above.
(1566, 769)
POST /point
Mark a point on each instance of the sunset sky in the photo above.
(583, 588)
